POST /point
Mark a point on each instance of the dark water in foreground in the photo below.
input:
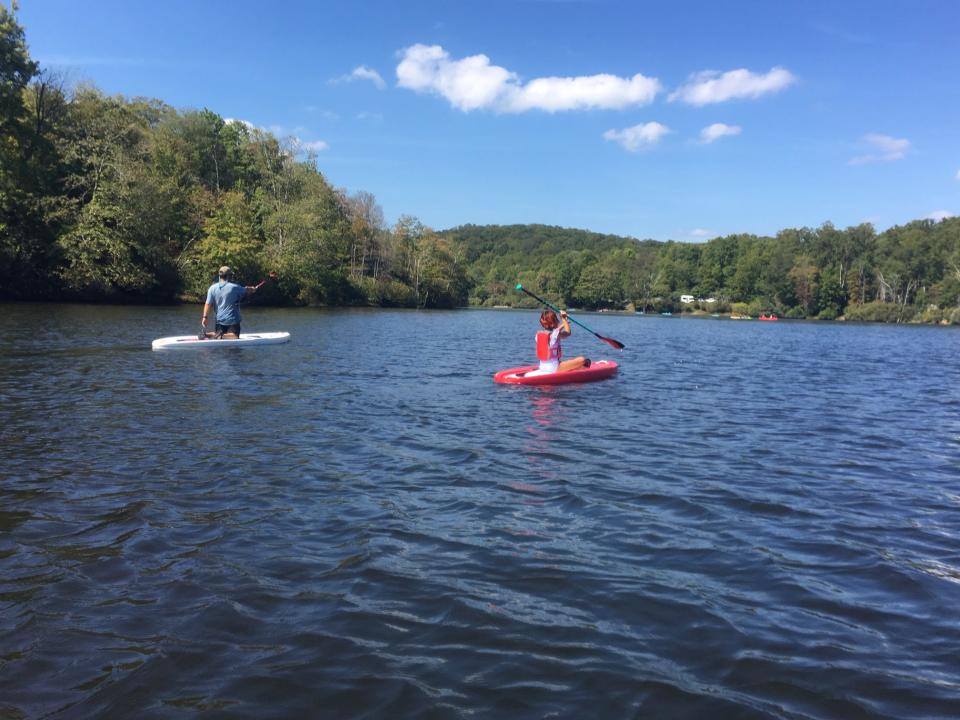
(752, 520)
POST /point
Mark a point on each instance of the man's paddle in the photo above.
(270, 276)
(609, 341)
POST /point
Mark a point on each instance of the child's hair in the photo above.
(549, 319)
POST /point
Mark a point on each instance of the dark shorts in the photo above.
(221, 330)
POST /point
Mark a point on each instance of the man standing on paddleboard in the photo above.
(226, 296)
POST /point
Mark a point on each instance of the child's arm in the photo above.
(565, 324)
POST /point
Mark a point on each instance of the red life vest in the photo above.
(544, 352)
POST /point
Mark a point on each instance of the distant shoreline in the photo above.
(697, 314)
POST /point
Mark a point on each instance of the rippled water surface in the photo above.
(751, 520)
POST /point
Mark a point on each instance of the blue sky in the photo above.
(679, 120)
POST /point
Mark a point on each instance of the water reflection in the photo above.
(227, 366)
(546, 415)
(545, 408)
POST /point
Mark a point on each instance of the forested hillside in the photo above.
(907, 272)
(130, 200)
(127, 199)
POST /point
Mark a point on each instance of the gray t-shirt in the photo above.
(226, 296)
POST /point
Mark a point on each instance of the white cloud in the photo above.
(885, 149)
(702, 233)
(325, 114)
(639, 136)
(312, 145)
(249, 125)
(710, 86)
(468, 84)
(717, 131)
(291, 138)
(958, 175)
(892, 148)
(473, 83)
(281, 131)
(938, 215)
(362, 72)
(585, 92)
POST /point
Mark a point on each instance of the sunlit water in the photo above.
(751, 520)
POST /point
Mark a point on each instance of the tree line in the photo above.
(117, 199)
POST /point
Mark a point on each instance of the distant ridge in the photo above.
(534, 241)
(907, 273)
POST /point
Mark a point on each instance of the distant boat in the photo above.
(771, 316)
(740, 317)
(666, 313)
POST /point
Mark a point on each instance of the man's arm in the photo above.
(206, 307)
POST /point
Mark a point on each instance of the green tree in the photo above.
(230, 237)
(561, 273)
(128, 220)
(599, 286)
(678, 265)
(193, 147)
(804, 276)
(20, 251)
(831, 297)
(367, 230)
(718, 263)
(745, 285)
(308, 237)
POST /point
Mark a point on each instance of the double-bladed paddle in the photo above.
(609, 341)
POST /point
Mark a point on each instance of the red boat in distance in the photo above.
(771, 316)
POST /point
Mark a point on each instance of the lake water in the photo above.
(751, 520)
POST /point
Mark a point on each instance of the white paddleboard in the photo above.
(192, 341)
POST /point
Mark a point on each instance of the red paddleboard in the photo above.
(598, 370)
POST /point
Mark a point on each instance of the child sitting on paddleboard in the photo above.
(548, 344)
